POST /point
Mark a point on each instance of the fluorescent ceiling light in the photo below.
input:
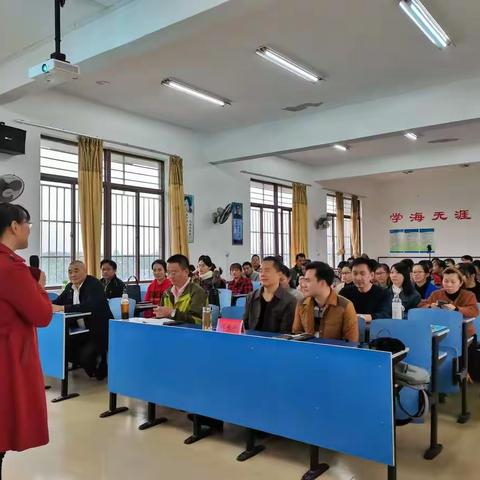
(411, 136)
(425, 22)
(341, 148)
(195, 92)
(287, 64)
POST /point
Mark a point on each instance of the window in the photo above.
(332, 243)
(132, 224)
(270, 219)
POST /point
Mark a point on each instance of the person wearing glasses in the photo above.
(24, 306)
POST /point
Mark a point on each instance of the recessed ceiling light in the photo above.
(195, 92)
(425, 22)
(341, 148)
(103, 82)
(288, 64)
(411, 136)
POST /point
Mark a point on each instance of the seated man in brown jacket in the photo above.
(324, 313)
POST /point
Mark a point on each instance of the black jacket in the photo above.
(92, 299)
(280, 311)
(114, 288)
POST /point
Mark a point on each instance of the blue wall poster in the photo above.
(237, 224)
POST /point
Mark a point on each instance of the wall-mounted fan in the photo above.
(323, 223)
(11, 187)
(222, 214)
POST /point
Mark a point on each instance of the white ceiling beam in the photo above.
(454, 102)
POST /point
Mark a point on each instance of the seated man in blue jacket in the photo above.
(85, 294)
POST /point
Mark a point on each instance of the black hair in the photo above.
(451, 260)
(161, 262)
(468, 269)
(10, 213)
(409, 262)
(235, 266)
(423, 265)
(247, 263)
(107, 261)
(255, 255)
(467, 257)
(286, 271)
(207, 261)
(182, 260)
(427, 263)
(342, 264)
(276, 264)
(404, 269)
(384, 266)
(440, 263)
(299, 255)
(476, 263)
(364, 261)
(323, 271)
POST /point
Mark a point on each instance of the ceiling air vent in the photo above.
(302, 106)
(444, 140)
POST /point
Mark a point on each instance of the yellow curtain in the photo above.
(178, 214)
(340, 221)
(90, 164)
(355, 227)
(299, 242)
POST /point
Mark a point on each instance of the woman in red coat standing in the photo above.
(24, 305)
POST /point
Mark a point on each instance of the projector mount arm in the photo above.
(57, 54)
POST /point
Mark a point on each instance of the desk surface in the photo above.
(307, 391)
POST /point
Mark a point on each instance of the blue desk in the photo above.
(306, 391)
(53, 346)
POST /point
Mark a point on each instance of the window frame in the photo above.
(278, 211)
(333, 219)
(108, 186)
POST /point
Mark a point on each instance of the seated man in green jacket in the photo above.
(184, 300)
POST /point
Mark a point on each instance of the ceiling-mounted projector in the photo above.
(54, 71)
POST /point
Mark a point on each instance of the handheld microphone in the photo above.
(34, 261)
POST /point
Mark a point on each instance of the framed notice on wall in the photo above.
(237, 224)
(189, 211)
(412, 240)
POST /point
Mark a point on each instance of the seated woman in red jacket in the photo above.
(158, 286)
(452, 296)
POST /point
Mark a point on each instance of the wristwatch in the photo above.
(174, 311)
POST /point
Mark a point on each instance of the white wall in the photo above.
(212, 186)
(427, 191)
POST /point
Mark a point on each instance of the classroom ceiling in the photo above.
(27, 23)
(458, 135)
(366, 49)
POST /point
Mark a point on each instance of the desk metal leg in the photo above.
(198, 431)
(316, 468)
(392, 472)
(64, 395)
(152, 417)
(464, 417)
(251, 449)
(112, 407)
(435, 448)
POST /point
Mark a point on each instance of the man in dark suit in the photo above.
(270, 308)
(85, 294)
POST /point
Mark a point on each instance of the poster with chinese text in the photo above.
(189, 211)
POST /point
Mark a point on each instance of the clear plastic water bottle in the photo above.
(397, 308)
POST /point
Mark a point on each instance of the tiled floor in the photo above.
(86, 447)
